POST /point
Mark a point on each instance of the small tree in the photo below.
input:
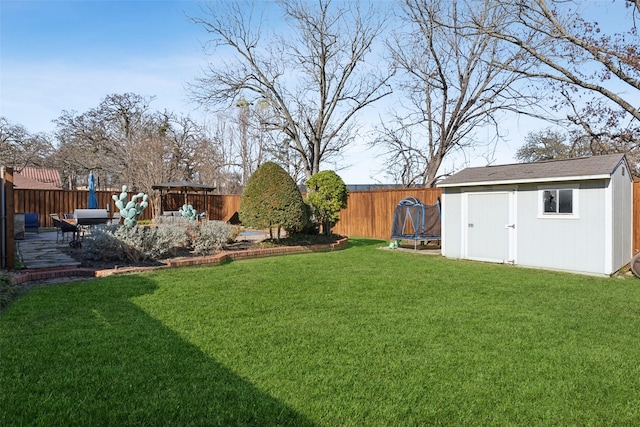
(270, 199)
(328, 195)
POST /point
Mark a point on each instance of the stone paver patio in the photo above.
(41, 251)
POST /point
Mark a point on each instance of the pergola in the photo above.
(181, 187)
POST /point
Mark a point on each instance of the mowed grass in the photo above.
(357, 337)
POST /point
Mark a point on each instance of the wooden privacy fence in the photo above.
(368, 214)
(45, 202)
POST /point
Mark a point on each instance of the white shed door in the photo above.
(489, 230)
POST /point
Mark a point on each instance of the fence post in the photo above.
(6, 214)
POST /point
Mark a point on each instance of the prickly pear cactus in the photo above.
(131, 210)
(188, 212)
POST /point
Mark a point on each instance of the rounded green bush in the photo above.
(328, 194)
(270, 199)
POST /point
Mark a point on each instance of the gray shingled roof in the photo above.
(553, 170)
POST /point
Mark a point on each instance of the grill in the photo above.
(91, 216)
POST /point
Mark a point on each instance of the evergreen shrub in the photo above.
(271, 199)
(328, 194)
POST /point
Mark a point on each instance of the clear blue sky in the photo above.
(68, 55)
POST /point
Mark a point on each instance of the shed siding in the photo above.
(452, 223)
(622, 217)
(554, 243)
(595, 239)
(559, 243)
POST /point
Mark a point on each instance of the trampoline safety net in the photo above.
(414, 221)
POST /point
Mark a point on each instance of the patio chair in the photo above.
(56, 222)
(31, 222)
(63, 228)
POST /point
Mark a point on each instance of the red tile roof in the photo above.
(23, 183)
(37, 179)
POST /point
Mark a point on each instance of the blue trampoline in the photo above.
(415, 221)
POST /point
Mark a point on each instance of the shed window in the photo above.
(558, 201)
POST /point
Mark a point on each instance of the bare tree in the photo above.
(453, 84)
(550, 144)
(101, 139)
(80, 140)
(154, 152)
(121, 140)
(124, 142)
(229, 161)
(313, 75)
(222, 169)
(169, 147)
(579, 58)
(188, 146)
(19, 148)
(248, 140)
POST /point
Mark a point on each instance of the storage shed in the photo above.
(573, 215)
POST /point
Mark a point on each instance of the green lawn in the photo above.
(361, 337)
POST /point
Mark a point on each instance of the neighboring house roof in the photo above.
(37, 178)
(595, 167)
(23, 183)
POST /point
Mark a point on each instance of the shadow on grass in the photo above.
(84, 354)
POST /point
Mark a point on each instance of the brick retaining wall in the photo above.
(219, 258)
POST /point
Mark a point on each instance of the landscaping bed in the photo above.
(186, 254)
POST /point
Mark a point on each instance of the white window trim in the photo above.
(575, 202)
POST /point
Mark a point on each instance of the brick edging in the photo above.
(216, 259)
